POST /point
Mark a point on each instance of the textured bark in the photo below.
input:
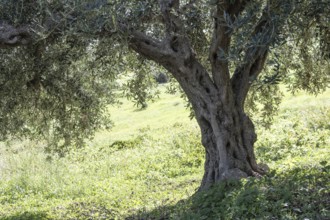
(12, 37)
(228, 134)
(228, 137)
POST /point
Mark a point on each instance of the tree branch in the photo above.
(145, 45)
(220, 43)
(174, 53)
(255, 57)
(171, 21)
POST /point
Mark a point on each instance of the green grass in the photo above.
(150, 165)
(165, 112)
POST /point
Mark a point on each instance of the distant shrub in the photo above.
(161, 77)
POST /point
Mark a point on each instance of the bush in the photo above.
(161, 78)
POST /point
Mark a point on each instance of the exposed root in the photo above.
(256, 174)
(233, 174)
(262, 169)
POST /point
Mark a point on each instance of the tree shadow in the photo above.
(160, 213)
(299, 193)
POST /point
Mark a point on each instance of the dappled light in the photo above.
(164, 109)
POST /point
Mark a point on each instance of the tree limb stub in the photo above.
(146, 45)
(172, 23)
(12, 37)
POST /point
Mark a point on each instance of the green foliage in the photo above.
(297, 148)
(58, 88)
(297, 141)
(150, 169)
(262, 104)
(141, 87)
(293, 194)
(53, 95)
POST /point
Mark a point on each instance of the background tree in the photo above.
(58, 80)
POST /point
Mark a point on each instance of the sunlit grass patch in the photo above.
(151, 164)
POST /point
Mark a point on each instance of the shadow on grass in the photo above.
(27, 216)
(299, 193)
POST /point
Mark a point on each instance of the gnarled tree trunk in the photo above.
(217, 96)
(228, 134)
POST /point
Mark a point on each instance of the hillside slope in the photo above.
(151, 163)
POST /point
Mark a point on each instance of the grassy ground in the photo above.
(150, 165)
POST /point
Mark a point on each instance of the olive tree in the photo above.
(59, 57)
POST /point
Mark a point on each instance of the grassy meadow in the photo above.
(151, 163)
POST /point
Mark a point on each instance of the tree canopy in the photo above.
(60, 59)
